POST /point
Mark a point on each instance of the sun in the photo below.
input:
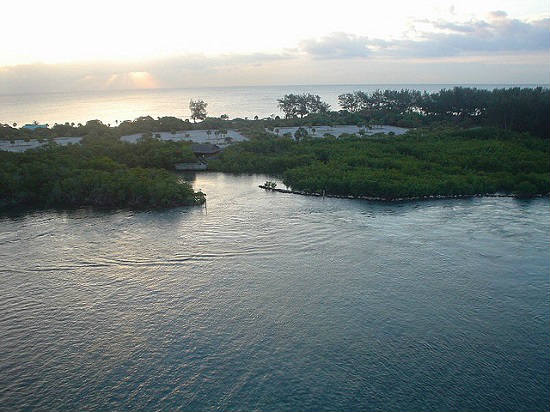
(142, 80)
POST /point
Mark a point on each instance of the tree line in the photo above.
(517, 109)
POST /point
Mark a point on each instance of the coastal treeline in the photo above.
(445, 162)
(101, 172)
(517, 109)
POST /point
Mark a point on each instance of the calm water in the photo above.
(275, 302)
(110, 106)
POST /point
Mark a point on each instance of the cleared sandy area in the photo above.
(202, 136)
(319, 131)
(20, 145)
(197, 136)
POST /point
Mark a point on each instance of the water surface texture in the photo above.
(274, 302)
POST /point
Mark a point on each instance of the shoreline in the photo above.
(397, 199)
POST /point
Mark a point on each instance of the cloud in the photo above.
(175, 71)
(499, 34)
(497, 43)
(337, 46)
(441, 39)
(498, 14)
(458, 27)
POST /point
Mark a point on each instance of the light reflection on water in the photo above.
(269, 301)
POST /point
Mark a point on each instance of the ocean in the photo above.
(119, 105)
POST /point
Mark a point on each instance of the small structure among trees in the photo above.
(205, 149)
(198, 109)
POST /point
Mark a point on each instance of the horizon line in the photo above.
(277, 85)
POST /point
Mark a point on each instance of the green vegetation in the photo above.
(293, 105)
(198, 109)
(517, 109)
(102, 172)
(143, 125)
(421, 163)
(468, 141)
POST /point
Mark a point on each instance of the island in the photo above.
(387, 145)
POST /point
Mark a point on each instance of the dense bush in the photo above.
(420, 163)
(103, 173)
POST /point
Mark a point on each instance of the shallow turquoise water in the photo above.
(275, 302)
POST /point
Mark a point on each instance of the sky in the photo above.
(62, 45)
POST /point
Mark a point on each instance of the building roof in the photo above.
(204, 148)
(35, 126)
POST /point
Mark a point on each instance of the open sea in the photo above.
(276, 302)
(110, 106)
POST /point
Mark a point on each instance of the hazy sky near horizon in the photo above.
(62, 45)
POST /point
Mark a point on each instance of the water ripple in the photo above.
(267, 302)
